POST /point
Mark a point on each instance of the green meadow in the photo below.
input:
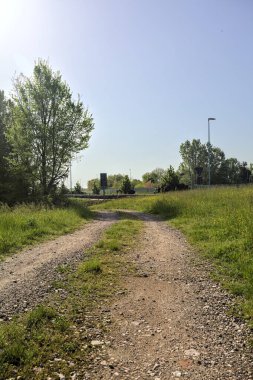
(219, 223)
(25, 224)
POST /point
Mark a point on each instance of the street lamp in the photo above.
(209, 144)
(70, 163)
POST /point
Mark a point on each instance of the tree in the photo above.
(170, 180)
(126, 186)
(155, 176)
(233, 171)
(4, 149)
(10, 185)
(78, 188)
(94, 186)
(47, 128)
(195, 156)
(245, 173)
(115, 180)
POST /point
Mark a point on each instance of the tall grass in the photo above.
(25, 224)
(219, 222)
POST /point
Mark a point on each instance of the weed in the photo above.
(63, 268)
(91, 266)
(39, 316)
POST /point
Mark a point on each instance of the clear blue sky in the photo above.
(150, 71)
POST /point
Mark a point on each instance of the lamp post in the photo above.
(209, 144)
(70, 176)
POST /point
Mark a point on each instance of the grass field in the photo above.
(219, 222)
(25, 224)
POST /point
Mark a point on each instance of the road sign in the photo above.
(103, 180)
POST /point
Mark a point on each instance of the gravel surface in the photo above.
(170, 322)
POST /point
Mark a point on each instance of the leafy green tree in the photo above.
(217, 161)
(115, 180)
(96, 188)
(136, 183)
(4, 148)
(170, 180)
(47, 128)
(63, 189)
(233, 171)
(12, 187)
(78, 188)
(93, 182)
(245, 173)
(126, 186)
(155, 176)
(195, 155)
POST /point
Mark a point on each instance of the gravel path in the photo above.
(26, 277)
(172, 322)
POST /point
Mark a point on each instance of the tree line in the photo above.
(41, 128)
(223, 171)
(192, 171)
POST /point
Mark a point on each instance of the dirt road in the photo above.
(171, 322)
(25, 278)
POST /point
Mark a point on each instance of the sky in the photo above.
(150, 71)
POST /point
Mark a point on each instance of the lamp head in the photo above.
(211, 118)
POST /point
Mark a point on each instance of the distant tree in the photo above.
(195, 155)
(136, 182)
(236, 172)
(47, 128)
(126, 186)
(78, 188)
(232, 171)
(245, 173)
(96, 188)
(155, 176)
(93, 183)
(170, 180)
(63, 189)
(217, 161)
(115, 180)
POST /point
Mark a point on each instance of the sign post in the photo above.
(103, 182)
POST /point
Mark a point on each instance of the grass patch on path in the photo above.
(219, 222)
(56, 338)
(25, 224)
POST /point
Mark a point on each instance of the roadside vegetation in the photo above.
(219, 223)
(29, 223)
(56, 338)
